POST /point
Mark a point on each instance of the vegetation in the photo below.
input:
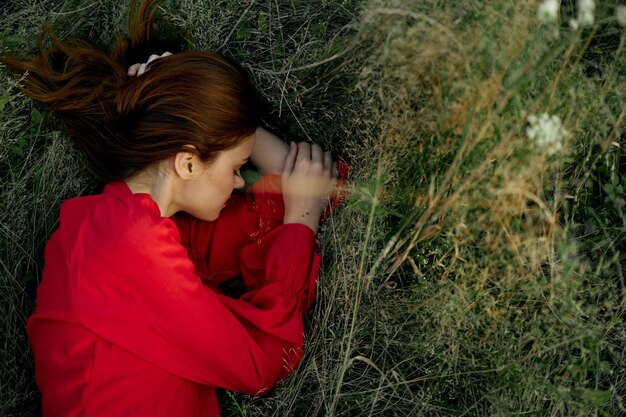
(477, 267)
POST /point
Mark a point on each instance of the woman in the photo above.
(130, 319)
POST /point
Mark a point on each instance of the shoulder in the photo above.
(113, 223)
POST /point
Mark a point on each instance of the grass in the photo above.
(471, 273)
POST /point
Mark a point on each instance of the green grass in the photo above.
(471, 273)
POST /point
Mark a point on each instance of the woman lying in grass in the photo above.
(130, 318)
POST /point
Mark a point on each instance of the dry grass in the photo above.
(471, 273)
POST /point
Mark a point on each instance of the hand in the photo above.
(138, 69)
(308, 179)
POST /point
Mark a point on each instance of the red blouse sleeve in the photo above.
(230, 246)
(135, 286)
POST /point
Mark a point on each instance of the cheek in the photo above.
(218, 189)
(228, 182)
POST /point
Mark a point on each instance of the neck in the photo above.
(159, 186)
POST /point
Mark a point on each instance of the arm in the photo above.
(229, 246)
(269, 152)
(147, 300)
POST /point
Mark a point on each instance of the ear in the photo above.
(186, 164)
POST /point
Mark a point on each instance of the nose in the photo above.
(239, 182)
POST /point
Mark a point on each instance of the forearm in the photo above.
(269, 152)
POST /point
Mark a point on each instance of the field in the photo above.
(477, 268)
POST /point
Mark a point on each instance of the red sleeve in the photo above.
(136, 287)
(229, 246)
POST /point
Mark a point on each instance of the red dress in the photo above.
(129, 319)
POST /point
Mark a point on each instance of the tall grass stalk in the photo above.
(360, 283)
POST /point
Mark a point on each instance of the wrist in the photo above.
(307, 218)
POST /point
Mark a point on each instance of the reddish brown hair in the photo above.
(123, 124)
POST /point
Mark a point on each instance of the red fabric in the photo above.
(129, 319)
(338, 197)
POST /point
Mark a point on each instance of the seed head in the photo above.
(548, 11)
(585, 12)
(547, 132)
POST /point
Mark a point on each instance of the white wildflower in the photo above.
(548, 10)
(547, 132)
(585, 12)
(620, 15)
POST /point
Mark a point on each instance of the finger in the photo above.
(132, 70)
(304, 151)
(328, 162)
(166, 54)
(316, 153)
(290, 159)
(142, 69)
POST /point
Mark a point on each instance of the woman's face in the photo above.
(205, 195)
